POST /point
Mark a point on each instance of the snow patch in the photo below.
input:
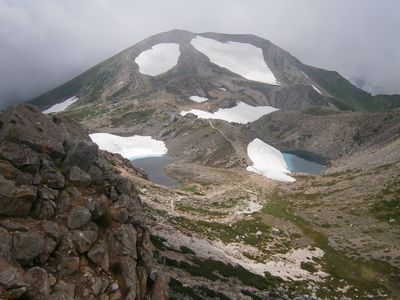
(268, 161)
(61, 106)
(131, 147)
(223, 89)
(159, 59)
(198, 99)
(240, 58)
(315, 88)
(241, 113)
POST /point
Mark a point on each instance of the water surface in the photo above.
(298, 164)
(154, 166)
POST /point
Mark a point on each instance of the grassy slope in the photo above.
(348, 96)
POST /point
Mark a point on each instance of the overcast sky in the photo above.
(46, 42)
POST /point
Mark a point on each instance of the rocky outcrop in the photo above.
(71, 227)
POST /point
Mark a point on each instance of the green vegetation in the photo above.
(188, 208)
(243, 230)
(133, 117)
(387, 210)
(319, 111)
(85, 112)
(214, 270)
(348, 96)
(158, 242)
(186, 250)
(198, 292)
(308, 266)
(366, 276)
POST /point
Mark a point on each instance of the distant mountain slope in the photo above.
(300, 86)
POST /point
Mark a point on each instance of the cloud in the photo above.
(43, 43)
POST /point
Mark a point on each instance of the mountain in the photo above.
(300, 85)
(237, 116)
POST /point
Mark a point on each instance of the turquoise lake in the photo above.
(298, 164)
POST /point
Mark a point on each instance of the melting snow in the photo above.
(61, 106)
(131, 147)
(159, 59)
(241, 113)
(240, 58)
(198, 99)
(315, 88)
(268, 161)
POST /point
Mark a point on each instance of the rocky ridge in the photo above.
(71, 227)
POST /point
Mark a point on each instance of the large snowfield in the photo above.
(132, 147)
(241, 113)
(240, 58)
(159, 59)
(268, 161)
(61, 106)
(198, 99)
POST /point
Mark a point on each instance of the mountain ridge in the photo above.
(287, 68)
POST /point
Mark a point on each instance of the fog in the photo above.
(43, 43)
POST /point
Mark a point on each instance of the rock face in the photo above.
(71, 227)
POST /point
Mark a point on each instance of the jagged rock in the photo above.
(51, 175)
(35, 154)
(15, 200)
(44, 207)
(142, 282)
(96, 286)
(27, 246)
(77, 175)
(12, 173)
(96, 174)
(63, 290)
(13, 225)
(99, 255)
(99, 207)
(124, 241)
(52, 229)
(50, 245)
(127, 209)
(116, 296)
(19, 155)
(78, 217)
(113, 287)
(5, 239)
(24, 124)
(38, 284)
(84, 239)
(160, 288)
(144, 248)
(69, 264)
(81, 153)
(12, 276)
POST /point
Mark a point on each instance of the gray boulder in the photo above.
(78, 217)
(38, 284)
(27, 246)
(51, 175)
(78, 176)
(84, 239)
(15, 200)
(99, 255)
